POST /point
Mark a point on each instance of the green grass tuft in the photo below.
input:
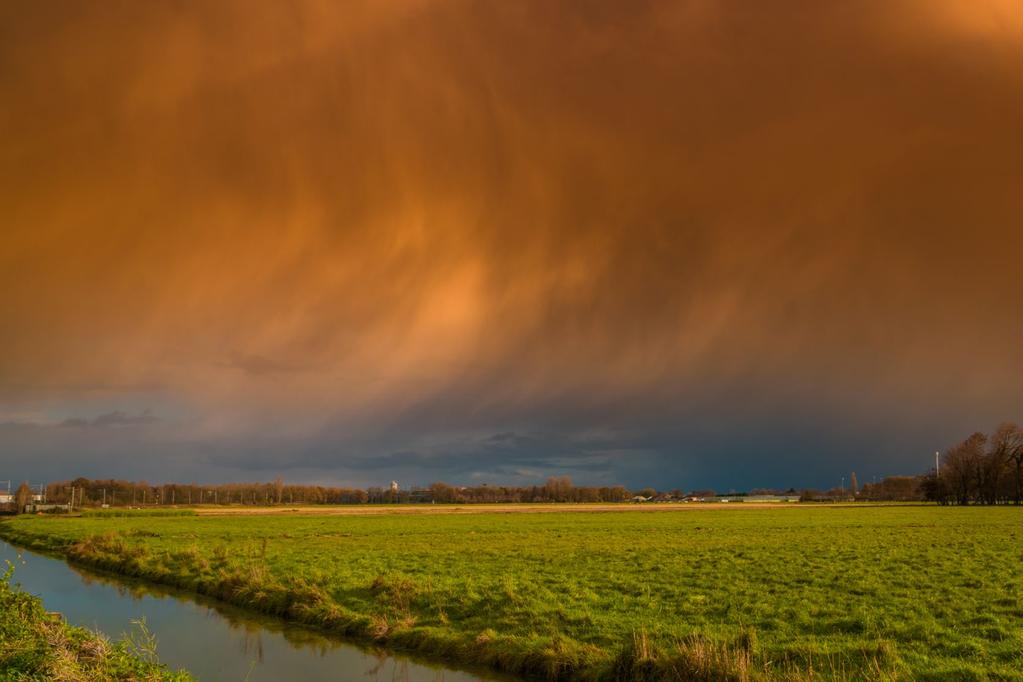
(36, 645)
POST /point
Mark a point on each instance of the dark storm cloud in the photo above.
(455, 457)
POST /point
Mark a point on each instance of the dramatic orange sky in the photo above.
(647, 242)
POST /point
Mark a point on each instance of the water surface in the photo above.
(211, 640)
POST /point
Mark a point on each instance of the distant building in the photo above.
(37, 507)
(8, 498)
(394, 486)
(35, 501)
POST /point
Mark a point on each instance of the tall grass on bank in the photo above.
(853, 593)
(36, 645)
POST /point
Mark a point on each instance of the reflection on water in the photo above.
(248, 626)
(213, 641)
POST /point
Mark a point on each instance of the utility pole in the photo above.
(937, 465)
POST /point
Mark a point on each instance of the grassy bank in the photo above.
(845, 592)
(35, 645)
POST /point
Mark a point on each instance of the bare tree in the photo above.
(442, 492)
(963, 467)
(558, 488)
(1007, 448)
(22, 498)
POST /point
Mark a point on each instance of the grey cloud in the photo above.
(115, 419)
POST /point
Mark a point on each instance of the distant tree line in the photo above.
(84, 492)
(557, 489)
(830, 495)
(97, 492)
(119, 493)
(894, 489)
(888, 489)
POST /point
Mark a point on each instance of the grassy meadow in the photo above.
(831, 592)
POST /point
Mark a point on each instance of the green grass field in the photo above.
(833, 592)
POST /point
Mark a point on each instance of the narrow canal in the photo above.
(211, 640)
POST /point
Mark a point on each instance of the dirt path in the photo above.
(523, 508)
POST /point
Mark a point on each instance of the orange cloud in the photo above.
(512, 205)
